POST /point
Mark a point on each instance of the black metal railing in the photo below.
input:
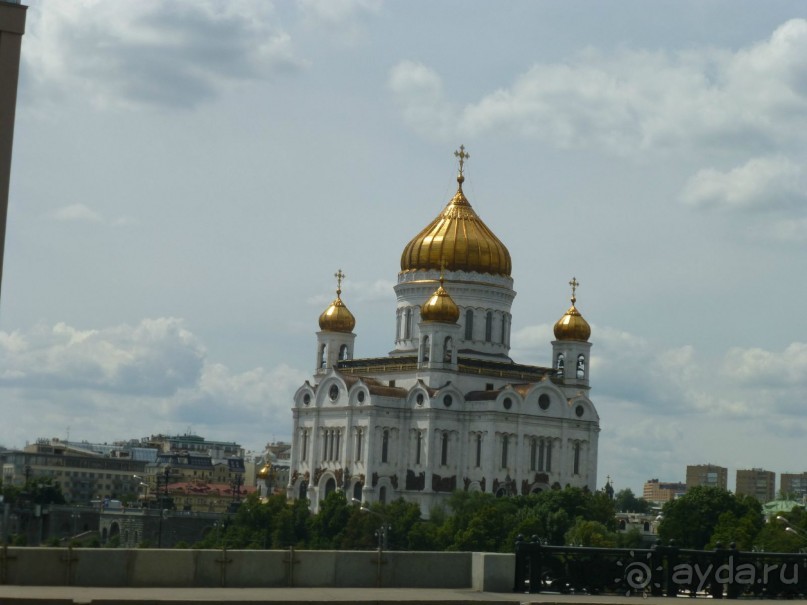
(659, 571)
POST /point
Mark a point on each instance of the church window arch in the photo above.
(358, 444)
(533, 452)
(489, 326)
(330, 486)
(478, 450)
(448, 349)
(343, 352)
(469, 324)
(418, 446)
(548, 467)
(398, 325)
(425, 354)
(576, 469)
(302, 494)
(505, 447)
(444, 448)
(385, 446)
(560, 364)
(581, 366)
(407, 324)
(322, 355)
(382, 494)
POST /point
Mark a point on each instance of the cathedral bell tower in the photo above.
(335, 338)
(571, 349)
(438, 332)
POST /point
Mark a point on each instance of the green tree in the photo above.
(691, 520)
(590, 533)
(626, 502)
(328, 525)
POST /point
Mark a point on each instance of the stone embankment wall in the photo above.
(254, 568)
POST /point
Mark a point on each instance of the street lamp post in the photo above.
(381, 533)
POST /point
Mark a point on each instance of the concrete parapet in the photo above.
(492, 572)
(184, 568)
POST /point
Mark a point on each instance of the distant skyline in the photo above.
(188, 176)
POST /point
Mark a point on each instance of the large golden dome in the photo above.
(459, 238)
(440, 307)
(572, 326)
(337, 317)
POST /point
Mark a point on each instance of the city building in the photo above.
(447, 408)
(194, 444)
(709, 475)
(794, 486)
(659, 492)
(756, 482)
(83, 475)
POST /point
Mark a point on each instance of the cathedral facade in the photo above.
(447, 409)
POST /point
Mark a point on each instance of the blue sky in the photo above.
(188, 176)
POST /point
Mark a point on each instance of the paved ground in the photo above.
(74, 595)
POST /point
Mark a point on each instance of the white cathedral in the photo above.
(447, 409)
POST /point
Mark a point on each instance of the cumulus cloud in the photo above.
(765, 183)
(630, 101)
(149, 53)
(130, 381)
(156, 357)
(75, 212)
(342, 19)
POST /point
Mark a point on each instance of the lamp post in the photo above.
(381, 533)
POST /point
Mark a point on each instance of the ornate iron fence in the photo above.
(659, 571)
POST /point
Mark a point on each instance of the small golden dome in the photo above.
(440, 307)
(264, 472)
(572, 326)
(460, 238)
(337, 317)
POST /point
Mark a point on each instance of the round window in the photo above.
(419, 399)
(507, 403)
(543, 401)
(306, 399)
(579, 411)
(447, 401)
(360, 396)
(333, 392)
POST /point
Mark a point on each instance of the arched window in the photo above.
(469, 324)
(303, 493)
(444, 449)
(425, 355)
(548, 468)
(407, 324)
(488, 326)
(358, 445)
(505, 443)
(304, 447)
(343, 352)
(581, 366)
(382, 495)
(330, 486)
(419, 447)
(357, 490)
(398, 325)
(533, 452)
(478, 450)
(322, 356)
(503, 339)
(385, 446)
(448, 350)
(560, 364)
(576, 458)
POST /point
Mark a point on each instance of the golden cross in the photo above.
(574, 283)
(339, 277)
(462, 156)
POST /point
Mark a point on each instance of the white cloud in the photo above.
(75, 212)
(419, 91)
(631, 101)
(129, 381)
(765, 183)
(342, 19)
(130, 54)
